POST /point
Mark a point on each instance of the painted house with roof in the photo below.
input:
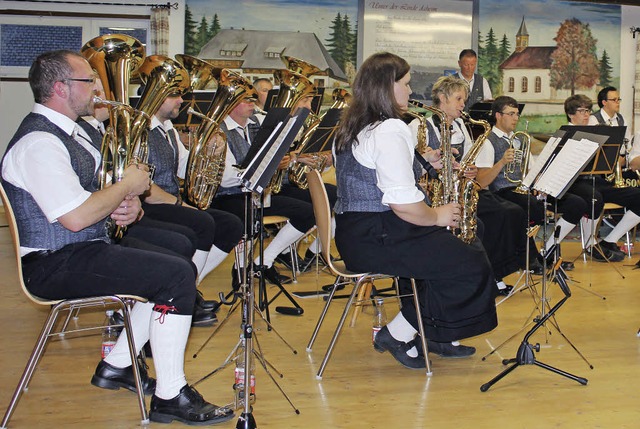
(257, 54)
(526, 73)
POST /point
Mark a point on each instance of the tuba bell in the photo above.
(206, 161)
(515, 171)
(201, 73)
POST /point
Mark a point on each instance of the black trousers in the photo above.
(210, 227)
(171, 236)
(299, 212)
(572, 207)
(95, 268)
(600, 191)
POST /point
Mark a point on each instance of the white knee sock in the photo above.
(588, 226)
(401, 330)
(565, 229)
(140, 316)
(287, 235)
(215, 258)
(628, 221)
(199, 259)
(169, 333)
(316, 246)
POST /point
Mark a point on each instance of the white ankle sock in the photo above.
(215, 258)
(140, 315)
(402, 330)
(287, 235)
(169, 333)
(628, 221)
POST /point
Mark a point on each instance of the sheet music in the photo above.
(566, 166)
(540, 161)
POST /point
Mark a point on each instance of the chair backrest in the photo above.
(13, 228)
(322, 213)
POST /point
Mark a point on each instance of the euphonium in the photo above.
(298, 172)
(520, 164)
(207, 154)
(201, 73)
(115, 57)
(294, 86)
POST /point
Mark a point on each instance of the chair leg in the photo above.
(293, 251)
(134, 361)
(423, 338)
(343, 318)
(324, 313)
(364, 292)
(32, 363)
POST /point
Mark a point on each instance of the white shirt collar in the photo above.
(233, 125)
(501, 133)
(62, 121)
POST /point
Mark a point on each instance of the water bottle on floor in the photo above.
(109, 334)
(379, 318)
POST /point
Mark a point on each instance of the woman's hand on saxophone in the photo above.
(471, 172)
(448, 215)
(433, 157)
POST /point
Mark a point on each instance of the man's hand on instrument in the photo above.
(138, 178)
(128, 211)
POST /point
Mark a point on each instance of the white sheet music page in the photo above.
(571, 159)
(540, 161)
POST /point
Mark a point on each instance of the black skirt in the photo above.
(456, 284)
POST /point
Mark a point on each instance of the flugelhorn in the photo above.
(515, 171)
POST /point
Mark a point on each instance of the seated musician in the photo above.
(600, 191)
(241, 127)
(383, 223)
(499, 153)
(48, 172)
(503, 223)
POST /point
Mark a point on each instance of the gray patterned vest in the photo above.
(476, 93)
(601, 121)
(34, 228)
(357, 189)
(500, 146)
(239, 147)
(163, 154)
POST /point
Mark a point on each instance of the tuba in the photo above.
(298, 172)
(205, 164)
(294, 86)
(201, 72)
(115, 57)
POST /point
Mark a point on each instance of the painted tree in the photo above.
(189, 32)
(336, 43)
(574, 62)
(490, 71)
(482, 59)
(215, 26)
(350, 43)
(605, 70)
(203, 34)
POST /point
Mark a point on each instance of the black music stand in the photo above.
(553, 177)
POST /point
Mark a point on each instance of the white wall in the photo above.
(630, 18)
(16, 99)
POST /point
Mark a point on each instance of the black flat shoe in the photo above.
(285, 259)
(204, 303)
(506, 291)
(189, 407)
(273, 276)
(109, 377)
(448, 350)
(202, 317)
(398, 349)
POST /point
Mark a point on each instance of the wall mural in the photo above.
(546, 50)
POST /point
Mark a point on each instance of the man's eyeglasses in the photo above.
(583, 111)
(614, 99)
(512, 114)
(90, 80)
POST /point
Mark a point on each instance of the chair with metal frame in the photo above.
(322, 212)
(60, 306)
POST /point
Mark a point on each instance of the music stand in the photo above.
(556, 174)
(603, 163)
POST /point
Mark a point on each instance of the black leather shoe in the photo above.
(204, 303)
(614, 249)
(189, 407)
(602, 254)
(448, 350)
(285, 259)
(202, 317)
(273, 276)
(398, 349)
(506, 291)
(109, 377)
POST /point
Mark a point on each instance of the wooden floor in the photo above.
(362, 388)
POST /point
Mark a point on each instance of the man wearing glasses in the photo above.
(496, 156)
(600, 191)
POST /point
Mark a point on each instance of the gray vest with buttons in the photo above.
(239, 147)
(163, 154)
(500, 146)
(34, 228)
